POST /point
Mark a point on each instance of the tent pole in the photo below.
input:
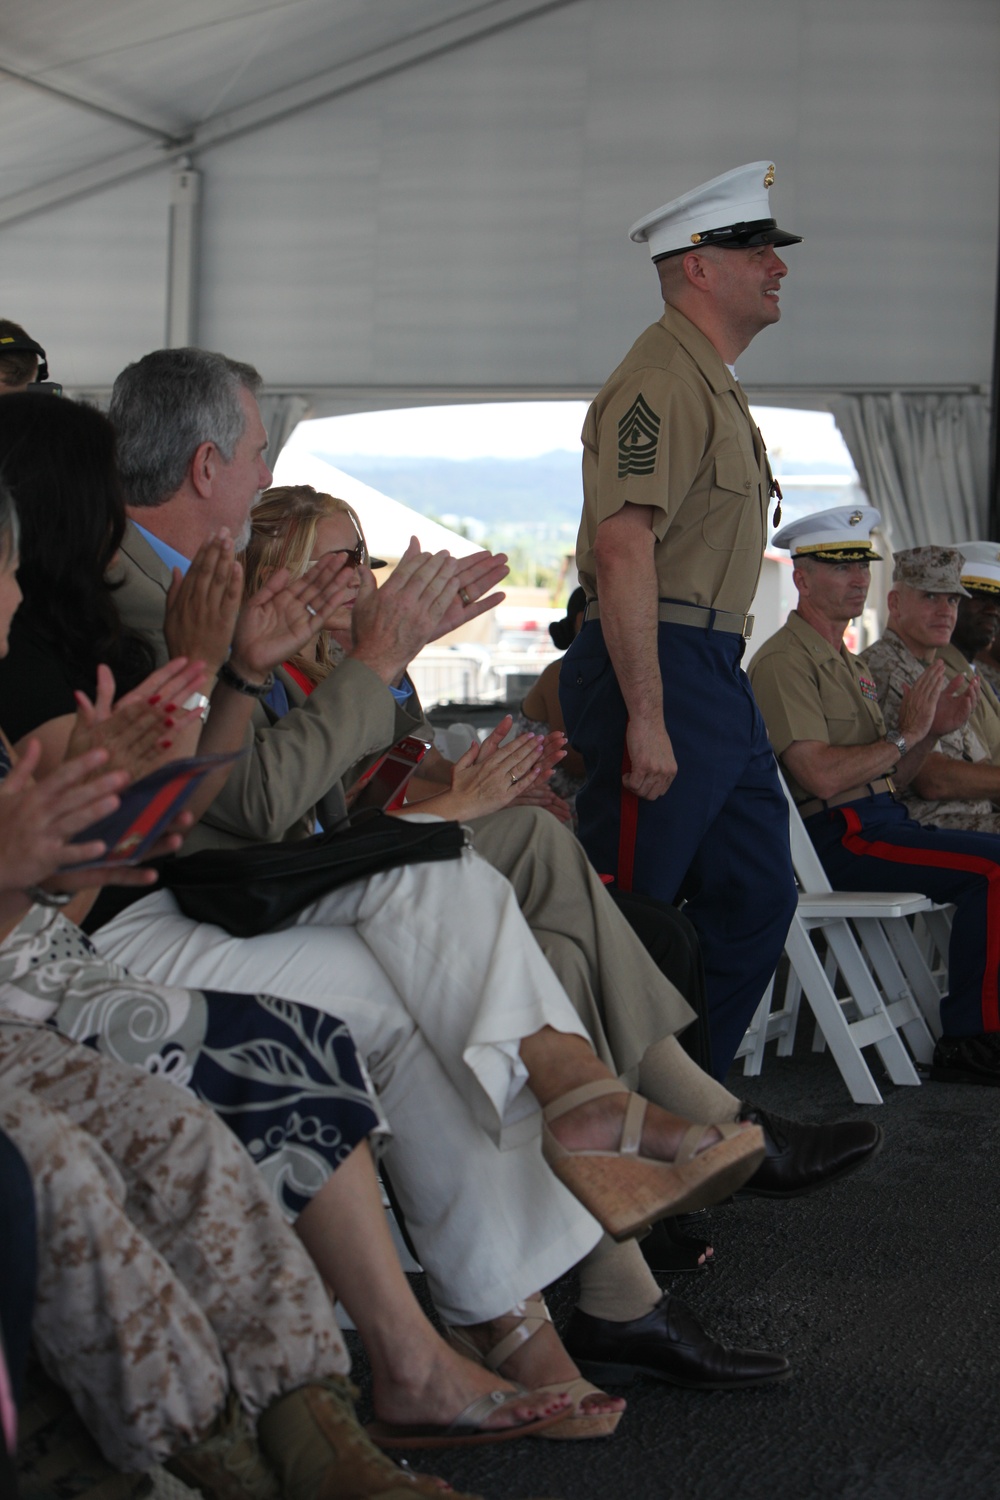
(182, 256)
(993, 493)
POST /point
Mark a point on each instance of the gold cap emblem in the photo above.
(696, 239)
(855, 519)
(769, 176)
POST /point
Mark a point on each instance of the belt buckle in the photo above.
(747, 627)
(891, 787)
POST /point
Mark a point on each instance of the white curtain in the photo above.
(281, 415)
(923, 459)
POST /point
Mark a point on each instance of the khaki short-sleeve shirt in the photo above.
(672, 429)
(989, 671)
(807, 691)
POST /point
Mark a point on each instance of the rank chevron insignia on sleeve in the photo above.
(638, 436)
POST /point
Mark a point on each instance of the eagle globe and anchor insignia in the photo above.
(638, 438)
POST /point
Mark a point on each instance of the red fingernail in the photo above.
(170, 708)
(164, 744)
(155, 698)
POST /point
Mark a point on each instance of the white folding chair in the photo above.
(891, 989)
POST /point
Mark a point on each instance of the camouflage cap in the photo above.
(933, 570)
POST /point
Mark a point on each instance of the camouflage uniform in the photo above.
(893, 666)
(166, 1272)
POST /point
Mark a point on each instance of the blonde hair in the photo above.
(283, 527)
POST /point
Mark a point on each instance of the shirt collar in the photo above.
(167, 554)
(811, 639)
(701, 350)
(893, 636)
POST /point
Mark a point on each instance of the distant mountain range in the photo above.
(497, 491)
(493, 490)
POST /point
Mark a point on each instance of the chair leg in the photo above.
(756, 1038)
(826, 1008)
(902, 972)
(875, 1024)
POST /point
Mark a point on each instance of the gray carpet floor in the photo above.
(882, 1292)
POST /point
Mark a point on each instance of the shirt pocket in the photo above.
(732, 516)
(845, 717)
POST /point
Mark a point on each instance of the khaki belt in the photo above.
(697, 615)
(853, 794)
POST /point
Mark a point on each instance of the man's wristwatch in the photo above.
(893, 737)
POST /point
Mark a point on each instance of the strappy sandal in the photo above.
(468, 1430)
(579, 1424)
(627, 1192)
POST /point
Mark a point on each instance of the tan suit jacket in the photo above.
(292, 773)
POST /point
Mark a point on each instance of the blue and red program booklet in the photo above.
(147, 808)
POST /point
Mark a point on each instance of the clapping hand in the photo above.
(203, 604)
(284, 616)
(486, 783)
(535, 793)
(919, 703)
(146, 727)
(473, 576)
(38, 819)
(957, 701)
(392, 623)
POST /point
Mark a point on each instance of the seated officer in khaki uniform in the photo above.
(955, 785)
(843, 767)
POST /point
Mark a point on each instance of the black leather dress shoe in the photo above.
(667, 1344)
(802, 1157)
(967, 1059)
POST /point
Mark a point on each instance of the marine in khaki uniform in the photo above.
(843, 767)
(953, 787)
(681, 797)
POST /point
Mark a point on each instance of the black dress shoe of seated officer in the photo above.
(668, 1344)
(802, 1157)
(967, 1059)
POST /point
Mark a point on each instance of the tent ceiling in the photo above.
(422, 194)
(169, 67)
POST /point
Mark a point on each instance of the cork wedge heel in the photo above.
(627, 1192)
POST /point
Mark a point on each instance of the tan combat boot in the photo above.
(227, 1464)
(320, 1451)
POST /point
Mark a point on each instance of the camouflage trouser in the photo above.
(166, 1272)
(970, 822)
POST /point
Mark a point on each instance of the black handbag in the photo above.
(256, 889)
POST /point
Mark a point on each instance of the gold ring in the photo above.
(463, 594)
(513, 778)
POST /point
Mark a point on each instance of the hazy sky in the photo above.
(526, 429)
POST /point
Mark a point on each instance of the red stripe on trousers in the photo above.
(627, 828)
(941, 859)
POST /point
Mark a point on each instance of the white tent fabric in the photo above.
(923, 461)
(388, 523)
(429, 200)
(281, 415)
